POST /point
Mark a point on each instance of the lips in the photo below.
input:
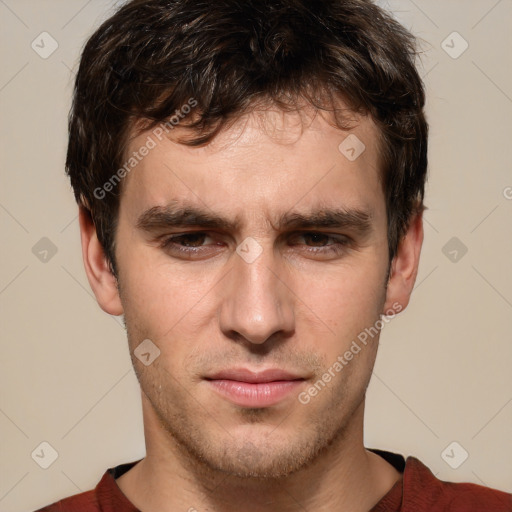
(246, 375)
(247, 388)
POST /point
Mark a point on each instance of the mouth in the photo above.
(247, 388)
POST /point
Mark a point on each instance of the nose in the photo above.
(257, 304)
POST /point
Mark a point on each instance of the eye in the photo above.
(321, 243)
(186, 240)
(189, 245)
(199, 244)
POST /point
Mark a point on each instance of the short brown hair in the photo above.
(152, 56)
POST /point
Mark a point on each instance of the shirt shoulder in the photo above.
(84, 502)
(105, 497)
(423, 492)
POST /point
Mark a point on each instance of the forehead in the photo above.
(263, 164)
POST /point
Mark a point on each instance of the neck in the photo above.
(344, 476)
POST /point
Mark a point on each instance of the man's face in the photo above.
(293, 297)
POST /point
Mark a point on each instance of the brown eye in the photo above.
(189, 245)
(317, 239)
(322, 244)
(188, 240)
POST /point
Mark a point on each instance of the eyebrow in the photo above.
(172, 215)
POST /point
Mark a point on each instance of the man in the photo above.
(250, 180)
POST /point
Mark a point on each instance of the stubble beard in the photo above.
(269, 456)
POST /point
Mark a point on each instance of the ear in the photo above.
(404, 267)
(101, 279)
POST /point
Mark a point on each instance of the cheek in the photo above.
(346, 299)
(160, 299)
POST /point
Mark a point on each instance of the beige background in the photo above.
(443, 373)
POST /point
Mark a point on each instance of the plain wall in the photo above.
(443, 371)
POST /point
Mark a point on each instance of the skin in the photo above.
(292, 308)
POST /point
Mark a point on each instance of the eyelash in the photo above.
(339, 246)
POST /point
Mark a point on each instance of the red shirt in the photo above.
(417, 491)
